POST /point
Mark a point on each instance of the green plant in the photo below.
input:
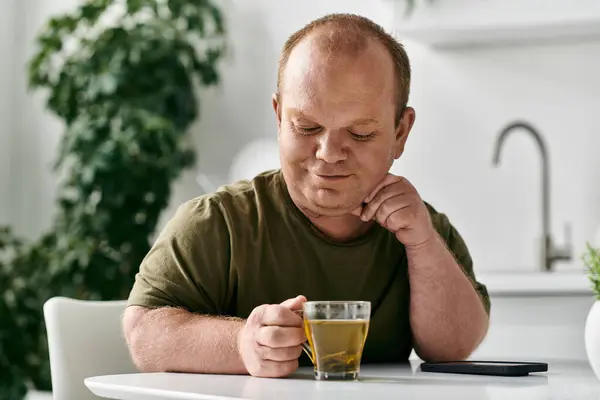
(591, 259)
(124, 78)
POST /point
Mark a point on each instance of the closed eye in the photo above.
(311, 130)
(362, 135)
(307, 130)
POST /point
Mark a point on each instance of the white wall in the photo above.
(462, 99)
(6, 109)
(36, 131)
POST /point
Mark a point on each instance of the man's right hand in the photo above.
(270, 342)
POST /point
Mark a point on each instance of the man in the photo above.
(216, 293)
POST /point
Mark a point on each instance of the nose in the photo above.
(331, 148)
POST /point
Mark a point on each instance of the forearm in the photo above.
(447, 316)
(172, 339)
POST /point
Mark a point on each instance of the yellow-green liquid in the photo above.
(337, 345)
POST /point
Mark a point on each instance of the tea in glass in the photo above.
(336, 333)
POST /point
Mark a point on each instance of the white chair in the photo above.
(84, 339)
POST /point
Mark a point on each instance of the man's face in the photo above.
(337, 131)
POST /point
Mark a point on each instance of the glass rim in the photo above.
(338, 302)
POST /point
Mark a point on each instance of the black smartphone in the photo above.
(498, 368)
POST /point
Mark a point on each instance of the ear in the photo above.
(404, 127)
(277, 109)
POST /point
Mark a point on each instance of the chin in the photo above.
(333, 206)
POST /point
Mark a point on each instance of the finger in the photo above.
(295, 303)
(277, 315)
(276, 369)
(278, 336)
(280, 354)
(387, 180)
(392, 214)
(358, 210)
(256, 316)
(383, 195)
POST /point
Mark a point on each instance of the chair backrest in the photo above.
(84, 339)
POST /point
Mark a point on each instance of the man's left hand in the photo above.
(396, 205)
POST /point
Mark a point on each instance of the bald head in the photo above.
(321, 75)
(338, 41)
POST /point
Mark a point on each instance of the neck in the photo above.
(340, 229)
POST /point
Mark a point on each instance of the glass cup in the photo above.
(336, 333)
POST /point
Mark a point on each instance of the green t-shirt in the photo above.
(248, 244)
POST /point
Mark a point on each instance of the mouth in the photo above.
(333, 177)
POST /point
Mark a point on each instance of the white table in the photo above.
(564, 380)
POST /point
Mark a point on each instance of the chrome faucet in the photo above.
(549, 251)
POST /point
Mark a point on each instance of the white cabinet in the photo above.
(467, 23)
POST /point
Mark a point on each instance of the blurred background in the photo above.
(478, 67)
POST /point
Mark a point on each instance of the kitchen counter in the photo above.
(536, 283)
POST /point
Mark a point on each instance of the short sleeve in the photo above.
(459, 249)
(188, 266)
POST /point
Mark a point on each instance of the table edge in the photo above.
(93, 385)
